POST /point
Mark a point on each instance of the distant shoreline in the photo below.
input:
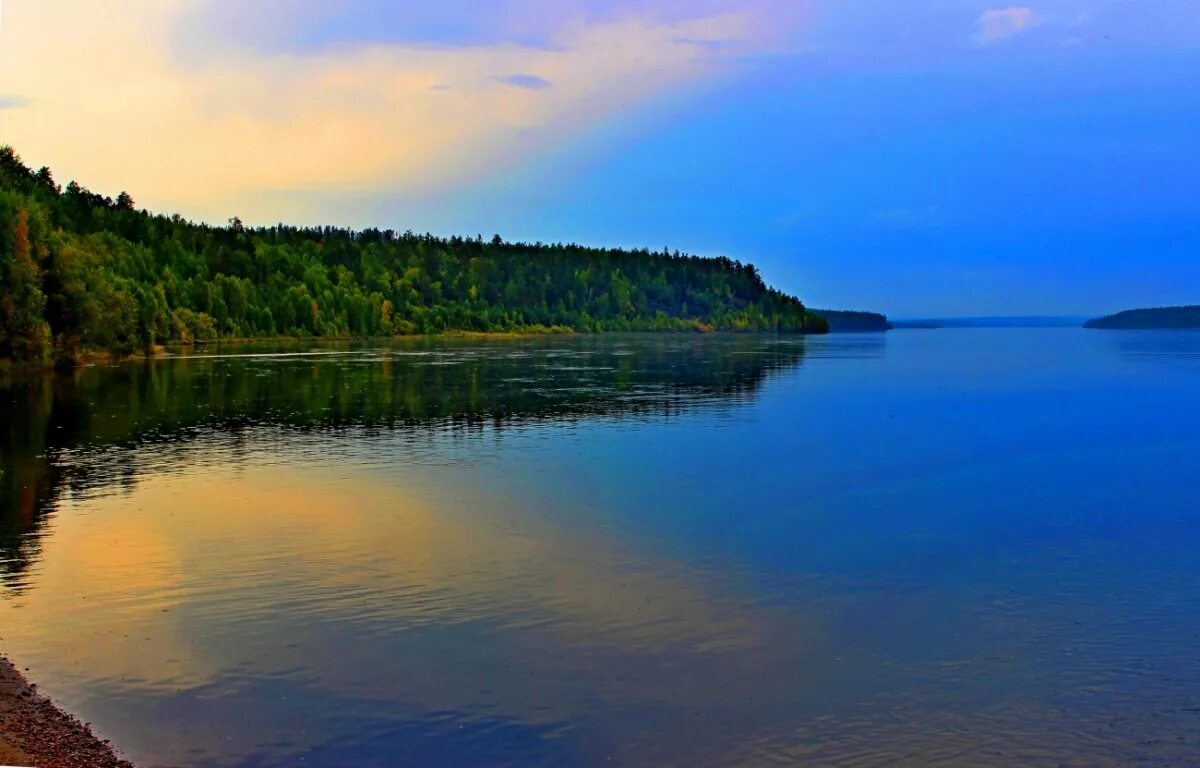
(853, 321)
(1185, 318)
(991, 321)
(35, 732)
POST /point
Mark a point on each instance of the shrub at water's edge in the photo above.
(1165, 318)
(83, 271)
(842, 321)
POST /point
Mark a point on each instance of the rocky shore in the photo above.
(34, 732)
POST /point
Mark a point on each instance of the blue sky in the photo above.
(932, 157)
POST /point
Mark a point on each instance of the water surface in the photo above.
(950, 547)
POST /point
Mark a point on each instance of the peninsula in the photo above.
(842, 321)
(1161, 318)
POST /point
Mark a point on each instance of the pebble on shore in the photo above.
(34, 732)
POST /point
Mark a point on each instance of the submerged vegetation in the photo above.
(81, 271)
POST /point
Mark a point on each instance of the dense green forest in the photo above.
(80, 271)
(1166, 318)
(842, 321)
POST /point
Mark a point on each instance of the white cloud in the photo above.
(1001, 23)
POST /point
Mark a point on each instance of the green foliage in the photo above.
(79, 270)
(24, 333)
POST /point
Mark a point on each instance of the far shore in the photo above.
(34, 732)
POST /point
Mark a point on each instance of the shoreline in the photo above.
(35, 732)
(89, 357)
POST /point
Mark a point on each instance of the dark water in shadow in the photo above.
(952, 547)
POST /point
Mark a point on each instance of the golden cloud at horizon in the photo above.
(104, 100)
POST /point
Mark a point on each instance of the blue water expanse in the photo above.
(928, 547)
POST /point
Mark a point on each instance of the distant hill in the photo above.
(1167, 318)
(1001, 321)
(842, 321)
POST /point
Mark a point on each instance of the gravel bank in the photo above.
(34, 732)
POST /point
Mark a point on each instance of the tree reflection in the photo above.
(422, 384)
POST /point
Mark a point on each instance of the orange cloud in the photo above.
(110, 105)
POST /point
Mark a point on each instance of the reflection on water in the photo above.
(103, 427)
(925, 548)
(1160, 347)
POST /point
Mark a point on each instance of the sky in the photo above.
(920, 158)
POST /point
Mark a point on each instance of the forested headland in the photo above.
(1161, 318)
(843, 321)
(81, 271)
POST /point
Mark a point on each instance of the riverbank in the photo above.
(83, 358)
(34, 732)
(86, 357)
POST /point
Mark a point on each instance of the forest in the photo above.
(1158, 318)
(83, 272)
(842, 321)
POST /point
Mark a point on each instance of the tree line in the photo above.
(82, 271)
(1168, 318)
(844, 321)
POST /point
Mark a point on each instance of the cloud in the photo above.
(306, 25)
(528, 82)
(248, 131)
(1001, 23)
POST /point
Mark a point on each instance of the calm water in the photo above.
(950, 547)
